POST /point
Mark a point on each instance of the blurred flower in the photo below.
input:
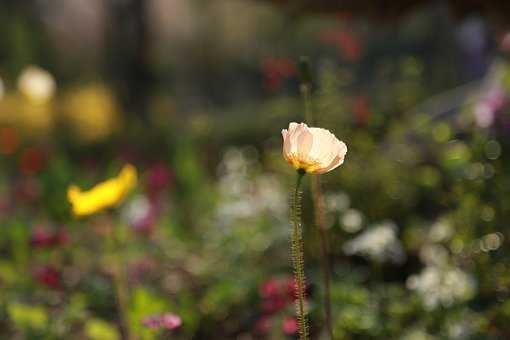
(290, 325)
(276, 70)
(164, 321)
(36, 84)
(32, 160)
(140, 213)
(43, 238)
(246, 194)
(159, 177)
(487, 106)
(379, 243)
(347, 43)
(337, 202)
(48, 276)
(313, 150)
(91, 112)
(442, 285)
(440, 231)
(104, 195)
(434, 254)
(492, 96)
(9, 140)
(361, 110)
(277, 293)
(29, 117)
(351, 221)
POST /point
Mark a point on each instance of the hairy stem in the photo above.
(298, 259)
(305, 89)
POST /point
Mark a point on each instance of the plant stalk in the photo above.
(298, 262)
(120, 285)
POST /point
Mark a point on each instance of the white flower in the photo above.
(36, 84)
(379, 243)
(314, 150)
(434, 254)
(440, 231)
(442, 286)
(351, 221)
(245, 195)
(136, 209)
(339, 201)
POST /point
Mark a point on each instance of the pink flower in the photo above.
(170, 321)
(486, 108)
(152, 322)
(290, 325)
(164, 321)
(270, 288)
(159, 177)
(42, 238)
(276, 294)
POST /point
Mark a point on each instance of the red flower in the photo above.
(9, 141)
(347, 43)
(270, 288)
(276, 70)
(32, 160)
(277, 294)
(47, 276)
(290, 325)
(361, 110)
(274, 304)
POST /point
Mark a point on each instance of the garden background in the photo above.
(194, 94)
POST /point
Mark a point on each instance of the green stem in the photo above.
(317, 199)
(324, 245)
(120, 284)
(298, 259)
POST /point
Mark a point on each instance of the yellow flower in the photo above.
(104, 195)
(91, 112)
(313, 150)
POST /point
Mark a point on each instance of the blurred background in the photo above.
(194, 94)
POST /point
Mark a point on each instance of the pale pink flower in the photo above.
(163, 321)
(313, 150)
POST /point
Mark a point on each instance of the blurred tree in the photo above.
(128, 61)
(497, 10)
